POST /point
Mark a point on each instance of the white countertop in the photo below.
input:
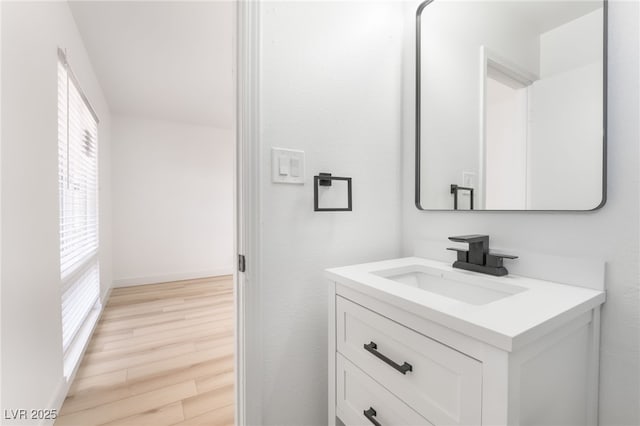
(506, 323)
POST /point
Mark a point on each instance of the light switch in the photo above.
(287, 166)
(295, 167)
(283, 165)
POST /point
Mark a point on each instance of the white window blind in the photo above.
(78, 195)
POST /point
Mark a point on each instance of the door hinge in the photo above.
(241, 263)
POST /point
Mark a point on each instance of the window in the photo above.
(78, 196)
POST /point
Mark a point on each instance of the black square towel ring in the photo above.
(325, 179)
(455, 189)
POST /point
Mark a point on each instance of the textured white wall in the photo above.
(610, 234)
(172, 201)
(331, 86)
(31, 323)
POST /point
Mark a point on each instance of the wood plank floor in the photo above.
(162, 354)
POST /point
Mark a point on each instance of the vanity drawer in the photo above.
(441, 384)
(356, 393)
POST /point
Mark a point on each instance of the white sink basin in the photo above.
(467, 288)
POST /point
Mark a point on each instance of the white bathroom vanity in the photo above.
(415, 342)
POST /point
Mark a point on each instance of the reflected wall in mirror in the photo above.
(510, 109)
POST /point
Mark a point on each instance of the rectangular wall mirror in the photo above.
(511, 105)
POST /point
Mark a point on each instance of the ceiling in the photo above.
(162, 60)
(547, 15)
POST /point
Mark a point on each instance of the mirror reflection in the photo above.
(510, 105)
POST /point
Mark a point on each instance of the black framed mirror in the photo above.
(511, 105)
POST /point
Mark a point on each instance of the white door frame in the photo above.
(248, 313)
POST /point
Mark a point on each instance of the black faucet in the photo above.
(478, 258)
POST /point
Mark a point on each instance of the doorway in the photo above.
(163, 350)
(504, 111)
(506, 142)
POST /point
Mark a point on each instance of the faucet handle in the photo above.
(463, 255)
(471, 239)
(495, 259)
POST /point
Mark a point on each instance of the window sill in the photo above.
(73, 355)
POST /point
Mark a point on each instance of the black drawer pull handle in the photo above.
(369, 414)
(372, 347)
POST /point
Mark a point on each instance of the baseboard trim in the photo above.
(130, 282)
(58, 398)
(104, 297)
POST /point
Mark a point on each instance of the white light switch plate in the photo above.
(287, 166)
(469, 180)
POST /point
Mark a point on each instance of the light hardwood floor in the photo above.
(162, 354)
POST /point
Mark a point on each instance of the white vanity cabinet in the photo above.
(400, 355)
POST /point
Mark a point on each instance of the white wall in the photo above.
(565, 140)
(571, 45)
(610, 234)
(172, 201)
(32, 371)
(564, 159)
(330, 85)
